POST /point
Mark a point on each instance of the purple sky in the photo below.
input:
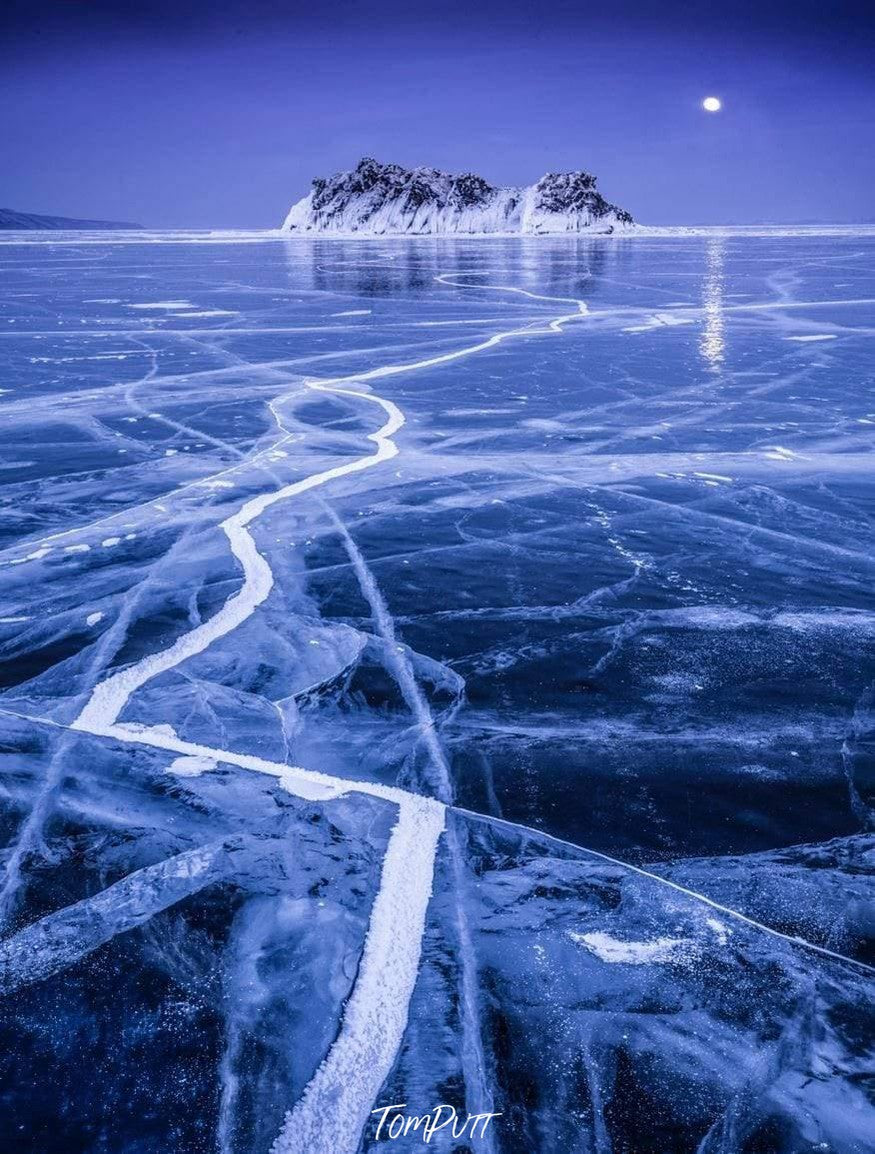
(194, 114)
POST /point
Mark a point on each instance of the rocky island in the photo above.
(386, 199)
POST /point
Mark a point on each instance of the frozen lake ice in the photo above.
(437, 671)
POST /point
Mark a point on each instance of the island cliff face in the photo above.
(385, 199)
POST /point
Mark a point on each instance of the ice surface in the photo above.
(437, 671)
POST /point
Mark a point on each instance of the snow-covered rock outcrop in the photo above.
(385, 198)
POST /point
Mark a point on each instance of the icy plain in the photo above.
(437, 671)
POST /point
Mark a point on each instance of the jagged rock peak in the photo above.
(386, 199)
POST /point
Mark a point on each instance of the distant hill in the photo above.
(10, 219)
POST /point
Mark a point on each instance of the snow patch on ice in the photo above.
(166, 305)
(656, 951)
(37, 555)
(191, 766)
(163, 729)
(212, 313)
(723, 932)
(659, 321)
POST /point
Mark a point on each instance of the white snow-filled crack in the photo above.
(331, 1114)
(110, 696)
(473, 1062)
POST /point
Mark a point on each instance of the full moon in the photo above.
(711, 104)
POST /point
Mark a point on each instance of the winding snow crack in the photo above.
(330, 1116)
(376, 1014)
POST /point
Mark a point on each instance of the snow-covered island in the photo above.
(385, 199)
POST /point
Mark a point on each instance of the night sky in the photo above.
(193, 114)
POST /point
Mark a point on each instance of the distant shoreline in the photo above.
(262, 236)
(11, 220)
